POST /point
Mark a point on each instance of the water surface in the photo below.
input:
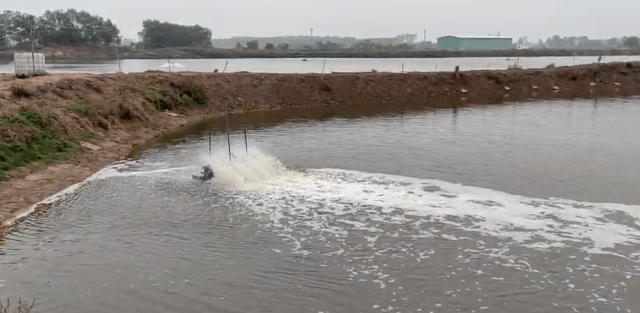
(394, 65)
(484, 209)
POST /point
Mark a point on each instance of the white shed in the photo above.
(28, 64)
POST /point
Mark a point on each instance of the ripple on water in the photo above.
(264, 238)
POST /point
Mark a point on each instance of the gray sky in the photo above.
(366, 18)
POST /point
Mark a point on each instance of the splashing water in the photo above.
(320, 198)
(246, 169)
(368, 226)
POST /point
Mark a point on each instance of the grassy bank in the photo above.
(30, 136)
(56, 130)
(41, 131)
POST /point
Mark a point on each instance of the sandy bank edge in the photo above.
(43, 185)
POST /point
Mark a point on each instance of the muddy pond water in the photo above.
(526, 206)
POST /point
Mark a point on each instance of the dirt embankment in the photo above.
(57, 130)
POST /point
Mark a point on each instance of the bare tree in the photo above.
(252, 45)
(632, 43)
(283, 46)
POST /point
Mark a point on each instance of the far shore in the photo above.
(109, 53)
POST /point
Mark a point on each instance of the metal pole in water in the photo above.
(402, 68)
(229, 143)
(225, 66)
(209, 143)
(246, 145)
(228, 138)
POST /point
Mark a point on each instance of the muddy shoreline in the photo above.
(108, 116)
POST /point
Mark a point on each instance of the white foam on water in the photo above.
(317, 198)
(172, 65)
(334, 202)
(333, 212)
(115, 171)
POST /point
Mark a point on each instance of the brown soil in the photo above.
(121, 110)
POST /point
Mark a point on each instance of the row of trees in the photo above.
(62, 28)
(408, 42)
(76, 28)
(583, 42)
(324, 43)
(364, 45)
(161, 34)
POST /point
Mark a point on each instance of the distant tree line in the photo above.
(76, 28)
(408, 42)
(56, 28)
(323, 43)
(583, 42)
(254, 45)
(163, 34)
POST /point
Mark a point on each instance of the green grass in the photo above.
(159, 101)
(174, 97)
(89, 136)
(196, 94)
(30, 136)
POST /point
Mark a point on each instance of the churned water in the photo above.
(523, 207)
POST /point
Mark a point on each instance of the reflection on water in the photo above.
(316, 65)
(437, 211)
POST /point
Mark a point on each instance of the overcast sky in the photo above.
(366, 18)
